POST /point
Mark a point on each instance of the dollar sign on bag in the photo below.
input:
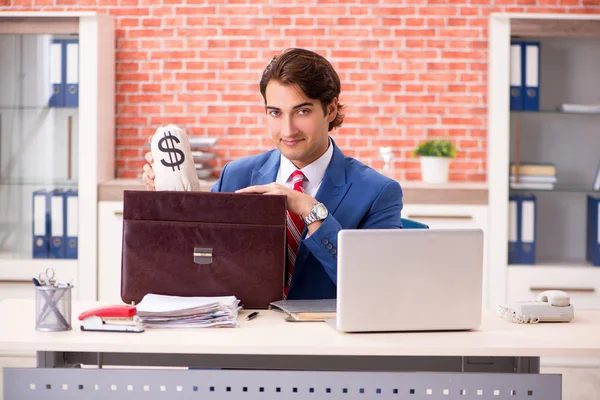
(177, 154)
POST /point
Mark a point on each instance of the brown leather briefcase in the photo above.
(203, 244)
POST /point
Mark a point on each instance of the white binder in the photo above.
(57, 224)
(532, 77)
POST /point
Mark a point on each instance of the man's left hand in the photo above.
(297, 202)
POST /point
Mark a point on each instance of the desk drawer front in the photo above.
(447, 216)
(91, 384)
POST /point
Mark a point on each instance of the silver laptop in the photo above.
(409, 280)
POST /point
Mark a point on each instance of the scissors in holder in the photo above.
(47, 278)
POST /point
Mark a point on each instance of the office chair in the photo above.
(412, 224)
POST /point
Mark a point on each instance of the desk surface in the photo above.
(415, 192)
(269, 334)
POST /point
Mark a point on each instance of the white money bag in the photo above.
(173, 163)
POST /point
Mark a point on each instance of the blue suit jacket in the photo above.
(356, 197)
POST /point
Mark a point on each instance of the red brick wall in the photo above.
(410, 70)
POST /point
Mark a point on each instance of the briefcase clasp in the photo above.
(203, 255)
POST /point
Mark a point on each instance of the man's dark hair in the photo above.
(313, 74)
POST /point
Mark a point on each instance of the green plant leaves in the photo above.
(435, 148)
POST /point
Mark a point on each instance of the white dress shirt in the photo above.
(313, 172)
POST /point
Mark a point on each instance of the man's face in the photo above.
(297, 124)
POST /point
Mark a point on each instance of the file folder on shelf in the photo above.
(596, 185)
(531, 55)
(41, 223)
(64, 73)
(516, 76)
(71, 232)
(71, 49)
(593, 231)
(513, 236)
(57, 97)
(57, 225)
(527, 238)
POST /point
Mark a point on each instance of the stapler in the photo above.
(95, 319)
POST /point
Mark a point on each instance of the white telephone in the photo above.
(552, 306)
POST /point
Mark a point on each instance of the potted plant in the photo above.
(435, 157)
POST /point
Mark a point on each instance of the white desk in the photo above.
(268, 342)
(269, 334)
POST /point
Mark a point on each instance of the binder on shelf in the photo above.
(516, 76)
(57, 97)
(513, 231)
(527, 230)
(531, 55)
(593, 233)
(57, 224)
(596, 184)
(71, 50)
(40, 223)
(71, 223)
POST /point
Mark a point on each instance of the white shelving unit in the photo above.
(561, 257)
(93, 142)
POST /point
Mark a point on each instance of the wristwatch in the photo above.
(318, 213)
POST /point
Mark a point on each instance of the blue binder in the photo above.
(527, 228)
(517, 67)
(57, 225)
(531, 80)
(514, 246)
(593, 235)
(40, 223)
(71, 223)
(71, 51)
(57, 74)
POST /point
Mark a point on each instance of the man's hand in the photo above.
(297, 202)
(148, 175)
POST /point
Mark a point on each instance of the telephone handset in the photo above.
(551, 306)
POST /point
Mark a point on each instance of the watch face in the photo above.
(321, 211)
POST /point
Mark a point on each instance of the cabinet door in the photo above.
(455, 216)
(39, 153)
(16, 290)
(110, 234)
(582, 284)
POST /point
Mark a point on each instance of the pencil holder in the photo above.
(53, 308)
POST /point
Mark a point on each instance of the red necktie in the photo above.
(295, 226)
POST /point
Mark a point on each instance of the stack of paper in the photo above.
(159, 311)
(580, 108)
(533, 176)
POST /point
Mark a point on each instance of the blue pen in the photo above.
(50, 303)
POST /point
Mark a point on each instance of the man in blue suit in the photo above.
(301, 91)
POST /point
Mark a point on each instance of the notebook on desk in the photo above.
(409, 280)
(203, 244)
(306, 310)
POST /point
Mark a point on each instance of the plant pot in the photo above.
(434, 169)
